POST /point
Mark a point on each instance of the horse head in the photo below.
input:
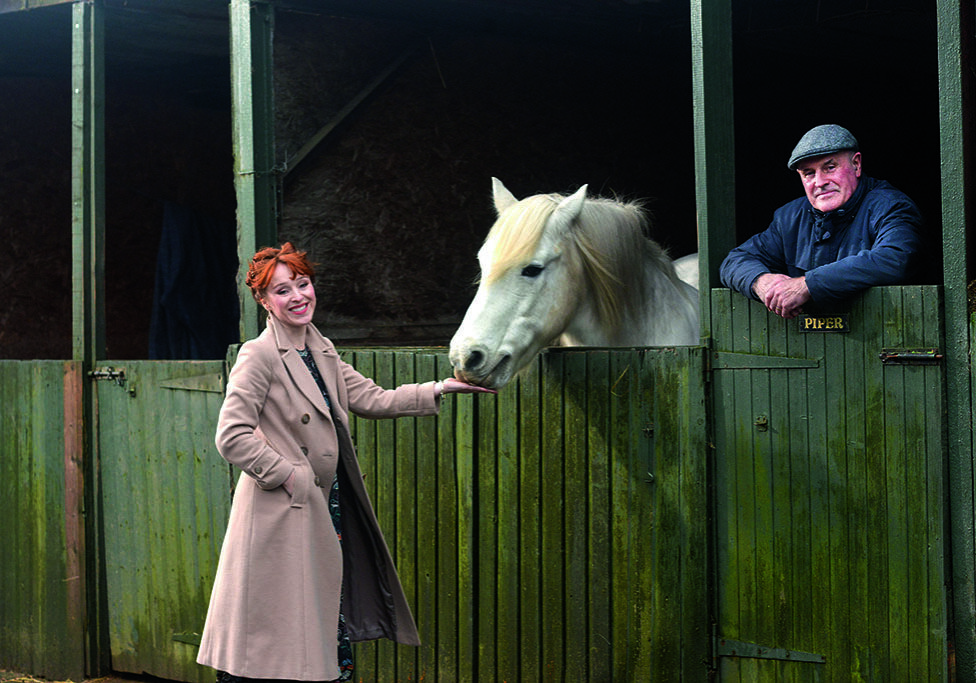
(527, 291)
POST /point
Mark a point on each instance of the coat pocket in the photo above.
(302, 484)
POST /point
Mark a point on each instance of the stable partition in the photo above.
(556, 531)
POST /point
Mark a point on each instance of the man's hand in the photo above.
(782, 294)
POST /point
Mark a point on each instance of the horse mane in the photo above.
(610, 248)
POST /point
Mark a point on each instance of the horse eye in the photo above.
(531, 271)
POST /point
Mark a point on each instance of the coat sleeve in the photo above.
(891, 260)
(761, 253)
(368, 399)
(239, 439)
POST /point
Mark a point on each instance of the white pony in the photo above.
(574, 269)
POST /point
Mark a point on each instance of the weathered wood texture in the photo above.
(553, 532)
(42, 582)
(830, 492)
(166, 497)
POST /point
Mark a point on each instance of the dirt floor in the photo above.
(14, 677)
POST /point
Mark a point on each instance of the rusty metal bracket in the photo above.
(924, 356)
(725, 647)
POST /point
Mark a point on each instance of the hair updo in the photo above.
(263, 264)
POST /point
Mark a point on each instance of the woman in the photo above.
(304, 569)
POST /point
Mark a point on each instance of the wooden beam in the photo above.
(955, 27)
(252, 108)
(711, 56)
(327, 130)
(88, 182)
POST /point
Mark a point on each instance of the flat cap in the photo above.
(822, 140)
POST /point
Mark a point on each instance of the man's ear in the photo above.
(856, 163)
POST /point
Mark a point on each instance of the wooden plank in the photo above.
(897, 498)
(363, 433)
(835, 644)
(875, 650)
(448, 599)
(39, 600)
(406, 494)
(384, 503)
(429, 483)
(661, 415)
(507, 636)
(783, 589)
(467, 530)
(530, 529)
(552, 501)
(599, 537)
(626, 464)
(936, 497)
(859, 354)
(575, 513)
(488, 535)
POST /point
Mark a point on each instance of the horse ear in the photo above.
(571, 207)
(503, 198)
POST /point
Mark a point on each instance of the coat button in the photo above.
(304, 450)
(305, 419)
(318, 482)
(258, 470)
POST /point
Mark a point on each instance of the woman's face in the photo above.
(289, 297)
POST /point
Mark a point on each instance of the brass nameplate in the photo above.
(824, 323)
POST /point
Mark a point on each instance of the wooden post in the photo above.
(256, 176)
(955, 28)
(88, 309)
(88, 182)
(711, 55)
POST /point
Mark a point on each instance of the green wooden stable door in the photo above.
(166, 496)
(830, 490)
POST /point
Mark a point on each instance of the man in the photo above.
(849, 233)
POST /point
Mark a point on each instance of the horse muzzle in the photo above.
(475, 366)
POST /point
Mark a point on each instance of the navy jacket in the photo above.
(874, 239)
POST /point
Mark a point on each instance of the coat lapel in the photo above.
(300, 375)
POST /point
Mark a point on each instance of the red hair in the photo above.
(263, 264)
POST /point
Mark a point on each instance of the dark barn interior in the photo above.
(395, 199)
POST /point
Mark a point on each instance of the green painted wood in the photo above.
(88, 181)
(955, 54)
(166, 497)
(713, 113)
(42, 598)
(255, 171)
(829, 514)
(533, 542)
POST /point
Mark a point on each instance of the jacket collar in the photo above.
(326, 360)
(846, 212)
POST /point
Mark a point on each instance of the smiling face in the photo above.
(289, 297)
(830, 180)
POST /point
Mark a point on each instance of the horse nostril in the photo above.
(474, 359)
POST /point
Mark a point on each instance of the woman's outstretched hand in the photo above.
(456, 386)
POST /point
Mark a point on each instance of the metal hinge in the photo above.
(925, 356)
(724, 647)
(212, 382)
(728, 360)
(109, 373)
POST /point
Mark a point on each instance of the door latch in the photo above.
(109, 373)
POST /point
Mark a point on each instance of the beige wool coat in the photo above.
(274, 608)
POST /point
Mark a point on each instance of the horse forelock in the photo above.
(517, 232)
